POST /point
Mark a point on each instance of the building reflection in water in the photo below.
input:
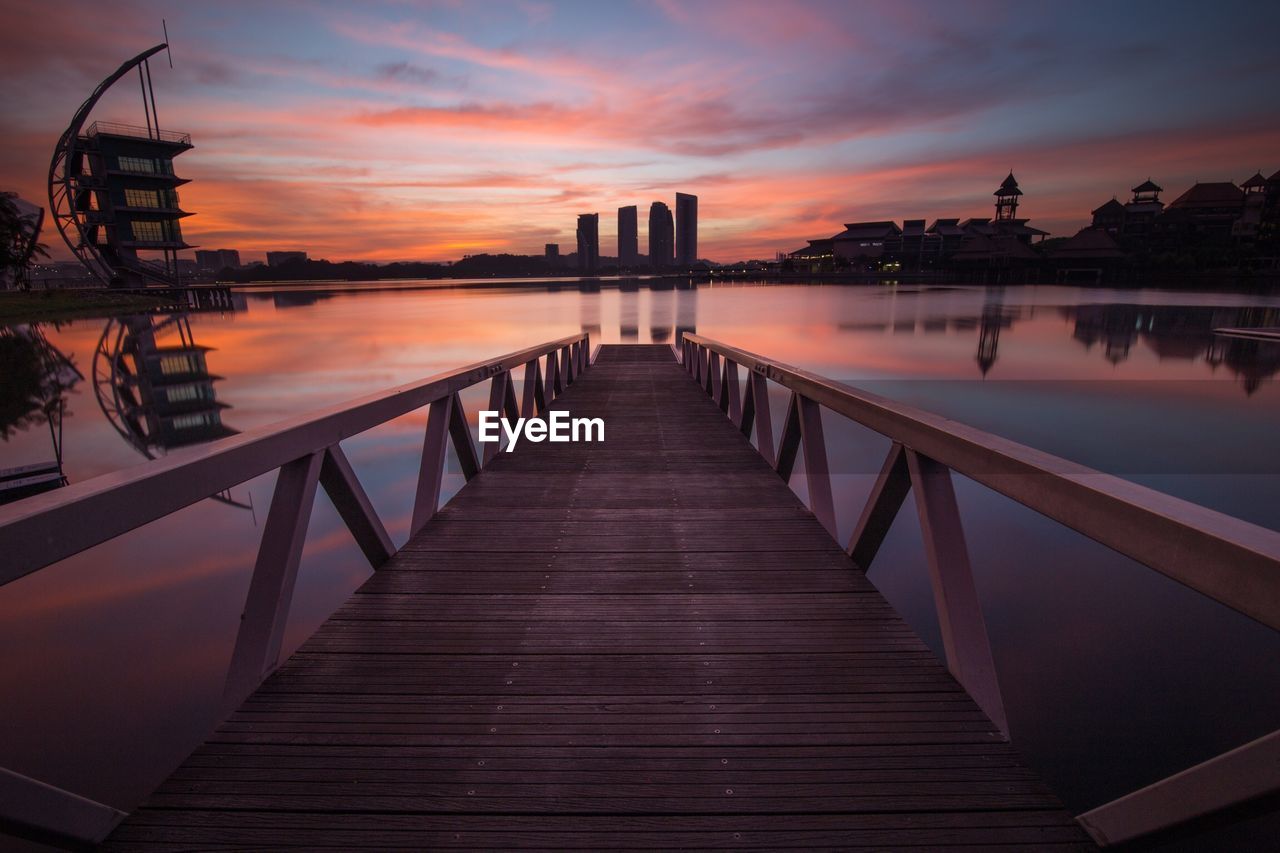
(662, 312)
(153, 383)
(589, 310)
(686, 310)
(1182, 333)
(37, 378)
(993, 319)
(629, 311)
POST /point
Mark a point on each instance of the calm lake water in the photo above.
(1113, 676)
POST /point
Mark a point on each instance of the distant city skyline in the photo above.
(661, 235)
(390, 132)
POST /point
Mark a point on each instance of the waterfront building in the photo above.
(275, 259)
(686, 230)
(1251, 208)
(818, 256)
(551, 254)
(947, 234)
(1007, 199)
(1109, 217)
(865, 241)
(628, 236)
(661, 236)
(1206, 213)
(1140, 212)
(113, 190)
(588, 242)
(213, 260)
(1090, 253)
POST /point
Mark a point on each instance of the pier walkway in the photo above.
(649, 642)
(645, 642)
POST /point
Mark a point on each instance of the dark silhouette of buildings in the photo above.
(628, 236)
(1007, 199)
(882, 245)
(551, 254)
(213, 260)
(661, 236)
(588, 242)
(275, 259)
(1213, 224)
(686, 230)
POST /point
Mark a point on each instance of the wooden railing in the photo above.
(44, 529)
(1228, 560)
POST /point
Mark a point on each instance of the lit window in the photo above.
(141, 198)
(155, 231)
(185, 363)
(183, 393)
(198, 419)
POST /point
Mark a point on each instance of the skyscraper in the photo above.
(686, 229)
(588, 242)
(661, 235)
(628, 236)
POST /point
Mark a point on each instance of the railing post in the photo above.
(763, 417)
(734, 397)
(32, 810)
(789, 441)
(460, 432)
(533, 401)
(816, 474)
(497, 399)
(882, 507)
(964, 632)
(431, 469)
(566, 375)
(553, 388)
(352, 502)
(266, 609)
(713, 375)
(1240, 781)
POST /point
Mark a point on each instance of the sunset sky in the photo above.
(425, 131)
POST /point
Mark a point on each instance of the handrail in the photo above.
(46, 528)
(115, 128)
(41, 530)
(1228, 560)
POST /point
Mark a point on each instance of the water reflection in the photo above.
(37, 378)
(153, 384)
(158, 609)
(1184, 333)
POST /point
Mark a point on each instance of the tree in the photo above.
(19, 233)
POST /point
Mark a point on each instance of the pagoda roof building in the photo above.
(1213, 194)
(1256, 182)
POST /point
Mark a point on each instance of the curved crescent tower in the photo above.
(113, 191)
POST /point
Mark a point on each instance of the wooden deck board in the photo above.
(643, 643)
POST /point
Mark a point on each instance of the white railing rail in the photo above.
(44, 529)
(1229, 560)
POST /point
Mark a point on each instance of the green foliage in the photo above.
(16, 235)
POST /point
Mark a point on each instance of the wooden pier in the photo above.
(648, 642)
(645, 642)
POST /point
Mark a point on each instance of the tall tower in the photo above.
(686, 230)
(588, 242)
(1007, 199)
(628, 236)
(113, 191)
(661, 235)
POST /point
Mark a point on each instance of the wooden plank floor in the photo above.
(645, 643)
